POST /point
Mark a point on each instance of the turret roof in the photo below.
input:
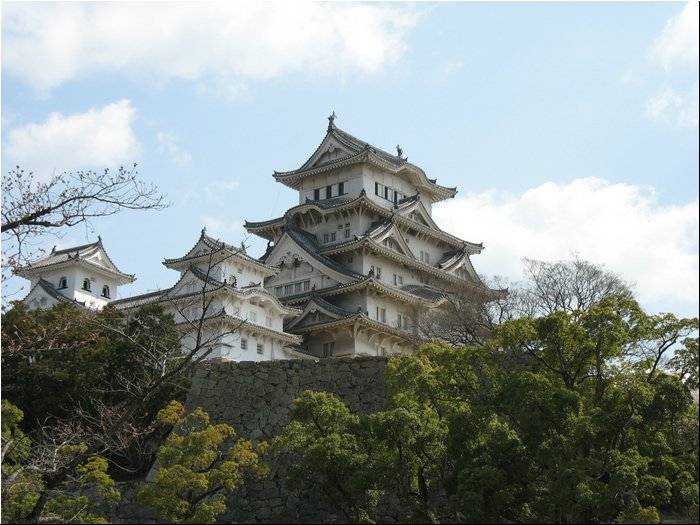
(360, 151)
(83, 255)
(212, 246)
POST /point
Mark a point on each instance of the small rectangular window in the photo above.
(260, 349)
(328, 348)
(378, 272)
(329, 192)
(347, 233)
(332, 236)
(340, 226)
(288, 288)
(252, 316)
(244, 344)
(341, 188)
(278, 290)
(307, 285)
(325, 237)
(317, 194)
(297, 287)
(268, 321)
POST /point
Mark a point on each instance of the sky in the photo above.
(568, 128)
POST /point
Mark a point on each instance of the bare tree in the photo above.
(566, 286)
(32, 208)
(111, 422)
(467, 315)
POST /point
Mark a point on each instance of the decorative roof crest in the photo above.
(331, 124)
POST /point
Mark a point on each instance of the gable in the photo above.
(288, 253)
(393, 240)
(330, 150)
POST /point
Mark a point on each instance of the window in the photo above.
(288, 288)
(240, 271)
(404, 322)
(347, 233)
(341, 188)
(325, 238)
(381, 351)
(62, 283)
(378, 272)
(328, 348)
(340, 226)
(105, 291)
(86, 284)
(297, 287)
(261, 349)
(307, 285)
(317, 194)
(252, 316)
(381, 315)
(379, 189)
(350, 259)
(329, 192)
(279, 290)
(268, 321)
(425, 257)
(244, 344)
(332, 236)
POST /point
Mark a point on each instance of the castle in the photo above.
(347, 271)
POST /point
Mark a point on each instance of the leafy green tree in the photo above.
(196, 468)
(571, 417)
(333, 454)
(76, 500)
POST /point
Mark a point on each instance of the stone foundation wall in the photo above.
(255, 398)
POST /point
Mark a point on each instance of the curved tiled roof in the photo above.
(360, 151)
(309, 244)
(70, 255)
(47, 287)
(216, 245)
(280, 222)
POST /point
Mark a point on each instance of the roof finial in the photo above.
(204, 230)
(99, 238)
(399, 151)
(330, 120)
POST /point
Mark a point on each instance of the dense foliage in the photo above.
(197, 468)
(571, 417)
(83, 389)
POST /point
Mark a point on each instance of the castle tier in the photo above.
(360, 254)
(82, 275)
(222, 306)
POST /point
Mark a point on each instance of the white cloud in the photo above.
(221, 228)
(671, 107)
(678, 43)
(618, 225)
(99, 138)
(47, 44)
(168, 145)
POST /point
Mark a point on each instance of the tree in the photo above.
(567, 286)
(94, 381)
(468, 314)
(196, 470)
(76, 500)
(589, 429)
(33, 208)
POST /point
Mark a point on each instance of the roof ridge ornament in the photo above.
(331, 124)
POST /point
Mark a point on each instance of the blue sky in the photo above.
(567, 127)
